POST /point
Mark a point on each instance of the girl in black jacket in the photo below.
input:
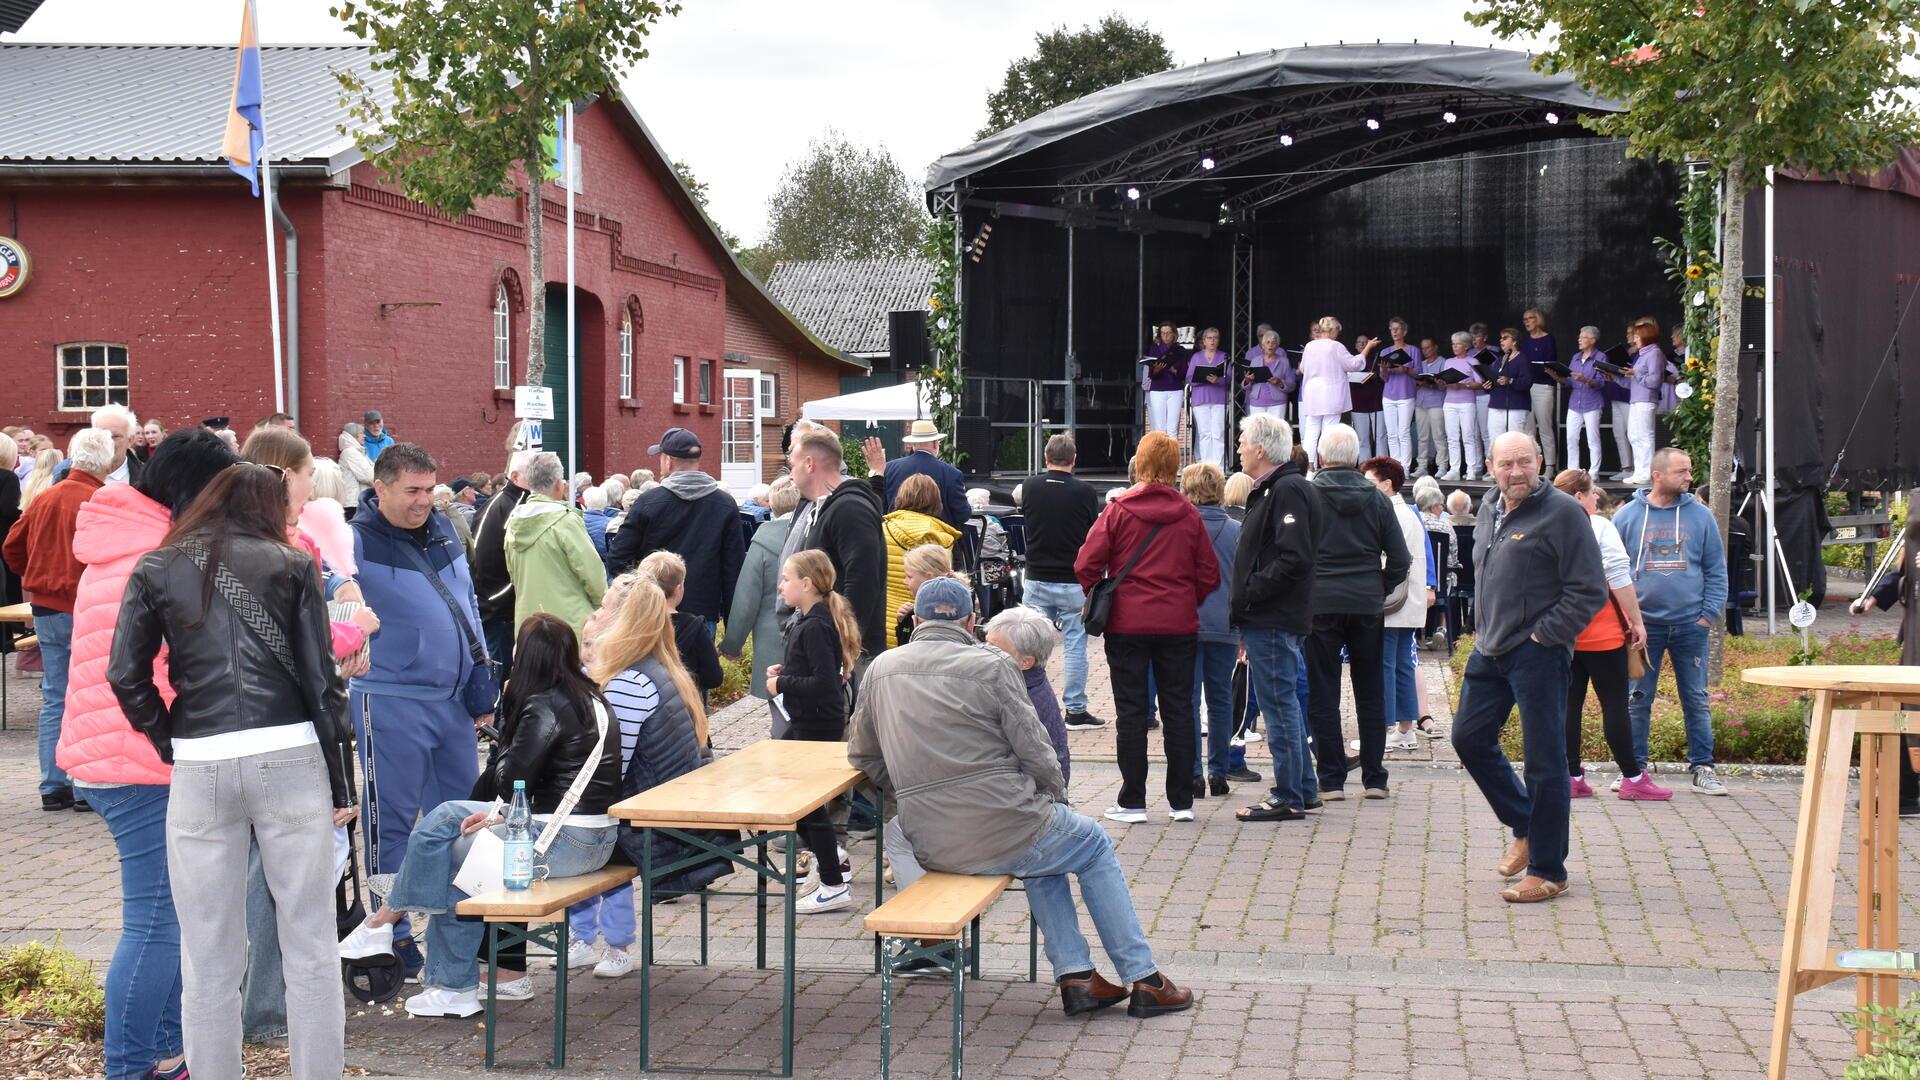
(811, 686)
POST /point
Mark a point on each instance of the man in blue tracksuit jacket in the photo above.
(430, 686)
(1680, 573)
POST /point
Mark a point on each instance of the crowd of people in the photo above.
(1434, 404)
(248, 649)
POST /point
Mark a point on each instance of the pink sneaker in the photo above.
(1581, 789)
(1642, 789)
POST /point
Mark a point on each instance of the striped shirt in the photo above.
(634, 699)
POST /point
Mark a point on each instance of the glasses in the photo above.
(277, 470)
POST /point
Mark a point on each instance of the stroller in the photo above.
(371, 980)
(997, 562)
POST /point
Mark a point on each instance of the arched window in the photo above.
(502, 340)
(626, 355)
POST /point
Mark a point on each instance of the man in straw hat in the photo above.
(922, 441)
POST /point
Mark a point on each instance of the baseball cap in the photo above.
(943, 599)
(372, 417)
(677, 442)
(460, 485)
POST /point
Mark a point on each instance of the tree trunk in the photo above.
(1726, 376)
(537, 275)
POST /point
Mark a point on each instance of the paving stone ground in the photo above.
(1367, 941)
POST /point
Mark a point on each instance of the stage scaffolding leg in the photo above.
(1071, 360)
(1140, 326)
(1242, 325)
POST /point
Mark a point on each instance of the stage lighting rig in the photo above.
(1288, 137)
(1552, 117)
(1207, 161)
(980, 238)
(1375, 120)
(1450, 114)
(1133, 194)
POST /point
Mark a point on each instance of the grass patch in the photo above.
(1752, 725)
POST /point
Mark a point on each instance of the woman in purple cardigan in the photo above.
(1649, 379)
(1268, 393)
(1166, 380)
(1207, 396)
(1512, 400)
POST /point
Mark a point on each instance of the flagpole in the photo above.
(273, 262)
(573, 425)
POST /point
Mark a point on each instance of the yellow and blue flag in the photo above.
(246, 132)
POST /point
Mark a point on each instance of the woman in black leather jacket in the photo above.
(557, 732)
(258, 697)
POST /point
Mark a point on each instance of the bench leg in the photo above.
(493, 982)
(879, 869)
(1033, 949)
(760, 910)
(560, 993)
(976, 947)
(703, 928)
(646, 947)
(959, 1002)
(786, 985)
(886, 1021)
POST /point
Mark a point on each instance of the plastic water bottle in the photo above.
(518, 873)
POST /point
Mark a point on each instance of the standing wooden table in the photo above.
(10, 615)
(763, 790)
(1863, 702)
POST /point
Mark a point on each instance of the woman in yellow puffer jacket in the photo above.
(915, 520)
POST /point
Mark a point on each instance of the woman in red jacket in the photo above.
(1155, 622)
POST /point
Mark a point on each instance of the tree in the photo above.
(698, 189)
(840, 201)
(1071, 64)
(477, 86)
(1816, 84)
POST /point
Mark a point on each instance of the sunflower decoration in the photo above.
(933, 302)
(1695, 272)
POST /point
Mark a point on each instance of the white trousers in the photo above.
(1588, 422)
(1482, 410)
(1431, 447)
(1640, 433)
(1210, 434)
(1372, 436)
(1270, 410)
(1163, 411)
(1463, 438)
(1618, 413)
(1311, 427)
(1540, 426)
(1501, 421)
(1398, 416)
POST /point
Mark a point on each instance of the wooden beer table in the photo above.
(10, 615)
(1849, 703)
(762, 791)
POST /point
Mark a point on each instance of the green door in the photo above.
(554, 433)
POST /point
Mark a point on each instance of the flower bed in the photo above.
(1752, 725)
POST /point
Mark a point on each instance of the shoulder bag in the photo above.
(476, 651)
(1099, 606)
(1637, 663)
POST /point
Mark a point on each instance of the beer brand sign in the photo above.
(14, 266)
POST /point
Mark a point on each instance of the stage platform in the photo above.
(1002, 487)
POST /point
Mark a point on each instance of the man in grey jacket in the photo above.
(1540, 583)
(945, 725)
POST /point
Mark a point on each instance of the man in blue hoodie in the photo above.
(430, 685)
(1680, 572)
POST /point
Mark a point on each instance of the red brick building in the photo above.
(149, 279)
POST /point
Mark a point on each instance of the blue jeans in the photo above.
(1397, 669)
(1534, 677)
(1213, 680)
(55, 629)
(143, 982)
(1687, 644)
(424, 886)
(1072, 844)
(1273, 677)
(608, 916)
(1061, 601)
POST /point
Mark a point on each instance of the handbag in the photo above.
(1637, 662)
(1099, 606)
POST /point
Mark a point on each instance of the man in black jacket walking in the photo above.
(1059, 509)
(1540, 582)
(1349, 607)
(492, 585)
(846, 526)
(1271, 601)
(691, 515)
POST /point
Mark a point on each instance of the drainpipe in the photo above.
(293, 308)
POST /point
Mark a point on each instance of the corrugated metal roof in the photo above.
(846, 301)
(15, 13)
(164, 103)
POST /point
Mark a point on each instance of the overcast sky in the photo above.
(737, 87)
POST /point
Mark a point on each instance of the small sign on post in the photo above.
(533, 402)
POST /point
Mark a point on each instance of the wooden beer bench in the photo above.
(13, 615)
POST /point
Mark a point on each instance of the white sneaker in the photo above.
(520, 989)
(434, 1001)
(825, 898)
(1707, 782)
(1615, 786)
(366, 941)
(615, 963)
(1127, 815)
(1180, 815)
(1353, 746)
(1450, 474)
(579, 954)
(1403, 740)
(1623, 476)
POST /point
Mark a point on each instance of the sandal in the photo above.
(1524, 893)
(1427, 727)
(1269, 810)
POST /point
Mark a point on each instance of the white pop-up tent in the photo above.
(900, 402)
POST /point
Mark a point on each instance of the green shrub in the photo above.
(1897, 1032)
(42, 980)
(1752, 725)
(738, 673)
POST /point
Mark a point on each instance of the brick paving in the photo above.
(1367, 941)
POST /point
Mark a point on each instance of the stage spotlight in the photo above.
(1450, 115)
(1287, 136)
(1206, 160)
(1374, 118)
(1552, 117)
(1133, 193)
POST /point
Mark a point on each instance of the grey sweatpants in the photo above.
(282, 799)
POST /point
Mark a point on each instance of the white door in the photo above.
(740, 431)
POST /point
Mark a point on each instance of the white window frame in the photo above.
(626, 355)
(502, 340)
(679, 380)
(105, 391)
(706, 387)
(769, 393)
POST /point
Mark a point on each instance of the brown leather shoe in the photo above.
(1516, 859)
(1532, 890)
(1149, 1000)
(1090, 993)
